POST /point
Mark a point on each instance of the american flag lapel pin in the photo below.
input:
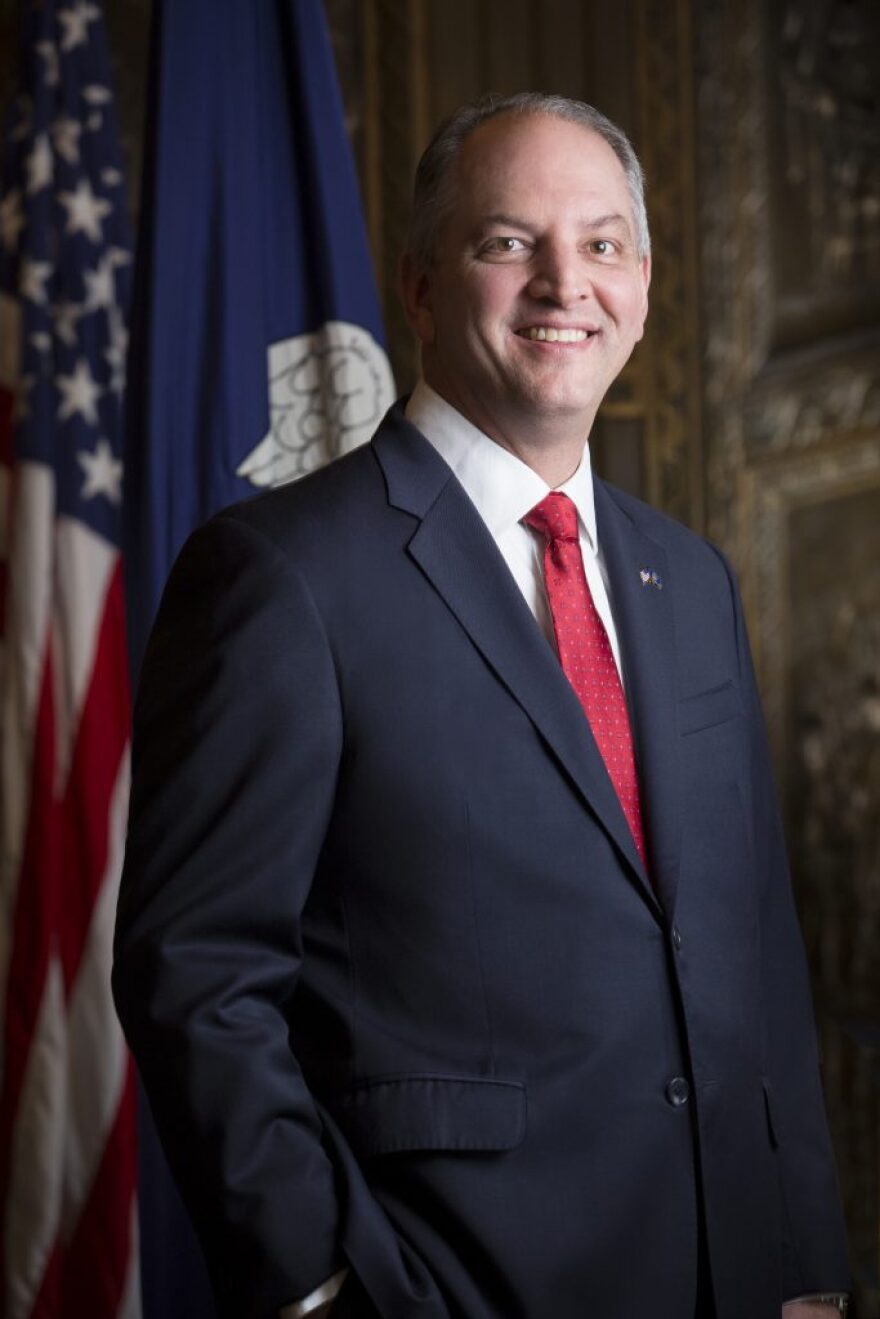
(651, 578)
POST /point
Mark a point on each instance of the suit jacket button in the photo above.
(678, 1091)
(676, 938)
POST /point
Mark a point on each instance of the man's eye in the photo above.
(504, 246)
(602, 247)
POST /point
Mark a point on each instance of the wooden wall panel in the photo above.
(559, 47)
(508, 44)
(453, 33)
(788, 231)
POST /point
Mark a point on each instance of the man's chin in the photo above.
(559, 404)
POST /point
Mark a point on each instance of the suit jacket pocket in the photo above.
(421, 1111)
(707, 709)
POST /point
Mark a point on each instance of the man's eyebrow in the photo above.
(504, 217)
(602, 221)
(518, 222)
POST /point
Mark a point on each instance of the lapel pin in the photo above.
(651, 578)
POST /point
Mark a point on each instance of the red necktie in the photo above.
(585, 651)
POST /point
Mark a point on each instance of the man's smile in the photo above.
(556, 334)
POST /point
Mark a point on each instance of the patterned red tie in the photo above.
(585, 651)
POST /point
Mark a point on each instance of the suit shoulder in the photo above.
(334, 496)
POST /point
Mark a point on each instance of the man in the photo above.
(455, 941)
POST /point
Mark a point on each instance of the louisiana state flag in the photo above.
(256, 349)
(257, 345)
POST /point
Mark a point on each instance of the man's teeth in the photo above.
(552, 335)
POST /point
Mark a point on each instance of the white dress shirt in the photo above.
(503, 489)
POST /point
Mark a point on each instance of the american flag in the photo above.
(67, 1087)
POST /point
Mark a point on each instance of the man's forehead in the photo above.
(496, 137)
(503, 159)
(512, 153)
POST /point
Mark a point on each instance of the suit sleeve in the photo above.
(814, 1246)
(237, 737)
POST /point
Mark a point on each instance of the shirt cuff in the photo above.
(320, 1296)
(820, 1298)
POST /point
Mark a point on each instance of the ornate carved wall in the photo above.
(789, 233)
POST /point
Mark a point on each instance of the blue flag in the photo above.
(256, 338)
(256, 344)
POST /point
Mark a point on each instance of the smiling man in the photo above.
(529, 302)
(455, 942)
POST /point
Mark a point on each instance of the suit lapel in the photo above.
(643, 615)
(456, 552)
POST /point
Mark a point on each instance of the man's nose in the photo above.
(560, 276)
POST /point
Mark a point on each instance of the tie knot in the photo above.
(555, 518)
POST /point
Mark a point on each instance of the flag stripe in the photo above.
(29, 604)
(32, 926)
(101, 740)
(96, 1260)
(46, 1303)
(84, 568)
(36, 1154)
(130, 1302)
(98, 1058)
(51, 1068)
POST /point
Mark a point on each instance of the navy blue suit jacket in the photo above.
(402, 994)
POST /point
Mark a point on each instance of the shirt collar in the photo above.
(499, 484)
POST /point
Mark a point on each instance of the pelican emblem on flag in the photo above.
(328, 391)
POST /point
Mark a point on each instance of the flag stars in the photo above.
(100, 285)
(96, 94)
(41, 341)
(39, 164)
(103, 473)
(79, 394)
(65, 137)
(32, 280)
(85, 211)
(74, 23)
(66, 315)
(48, 52)
(116, 353)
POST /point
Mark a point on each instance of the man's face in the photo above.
(537, 294)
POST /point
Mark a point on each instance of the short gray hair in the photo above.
(434, 190)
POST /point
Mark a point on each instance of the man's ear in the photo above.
(415, 293)
(645, 266)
